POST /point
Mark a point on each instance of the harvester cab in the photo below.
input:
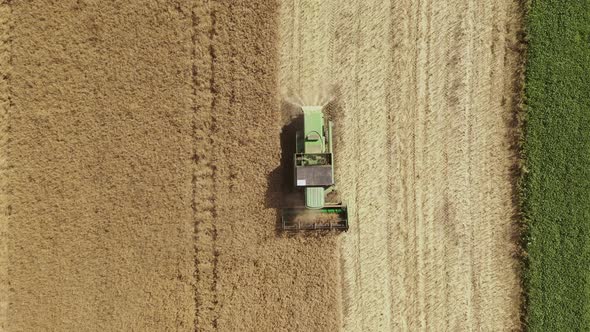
(314, 174)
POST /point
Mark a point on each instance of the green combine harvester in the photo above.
(314, 173)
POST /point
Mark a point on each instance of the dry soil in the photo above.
(142, 165)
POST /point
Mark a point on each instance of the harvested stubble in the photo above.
(424, 92)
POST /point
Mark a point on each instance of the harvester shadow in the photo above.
(280, 189)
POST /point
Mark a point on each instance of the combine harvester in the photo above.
(314, 173)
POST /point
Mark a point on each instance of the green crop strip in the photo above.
(556, 184)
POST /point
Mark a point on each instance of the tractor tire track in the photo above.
(204, 200)
(403, 97)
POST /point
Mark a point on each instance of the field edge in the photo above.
(5, 103)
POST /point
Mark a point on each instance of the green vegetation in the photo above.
(556, 185)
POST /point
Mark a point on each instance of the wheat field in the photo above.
(144, 152)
